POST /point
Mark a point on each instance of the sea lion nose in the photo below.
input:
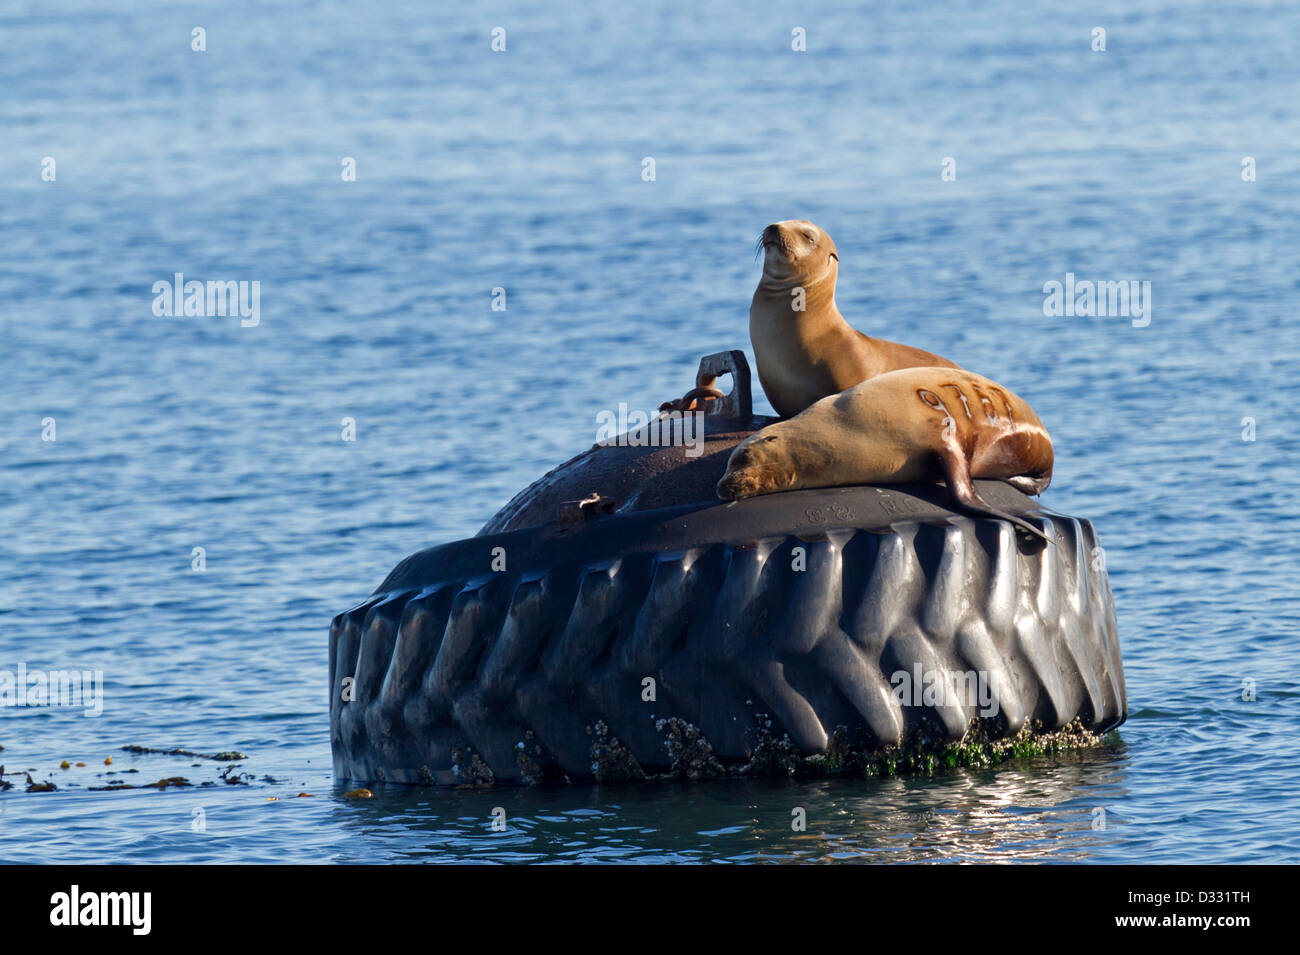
(772, 233)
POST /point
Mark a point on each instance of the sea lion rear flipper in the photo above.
(956, 470)
(1028, 485)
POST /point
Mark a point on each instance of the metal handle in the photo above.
(739, 403)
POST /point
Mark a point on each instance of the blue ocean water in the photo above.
(522, 170)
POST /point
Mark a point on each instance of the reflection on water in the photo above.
(1040, 810)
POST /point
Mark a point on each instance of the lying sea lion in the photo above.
(916, 424)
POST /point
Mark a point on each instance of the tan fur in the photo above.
(916, 424)
(804, 356)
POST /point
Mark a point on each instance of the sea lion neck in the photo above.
(820, 291)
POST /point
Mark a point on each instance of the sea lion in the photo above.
(916, 424)
(694, 400)
(804, 348)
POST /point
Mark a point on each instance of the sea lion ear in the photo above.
(835, 257)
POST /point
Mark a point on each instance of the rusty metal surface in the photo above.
(626, 478)
(636, 478)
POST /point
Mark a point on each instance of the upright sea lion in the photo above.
(804, 348)
(917, 424)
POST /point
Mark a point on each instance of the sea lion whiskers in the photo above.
(769, 461)
(773, 236)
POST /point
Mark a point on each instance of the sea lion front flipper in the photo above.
(693, 399)
(956, 471)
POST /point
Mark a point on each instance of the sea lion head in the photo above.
(796, 252)
(759, 465)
